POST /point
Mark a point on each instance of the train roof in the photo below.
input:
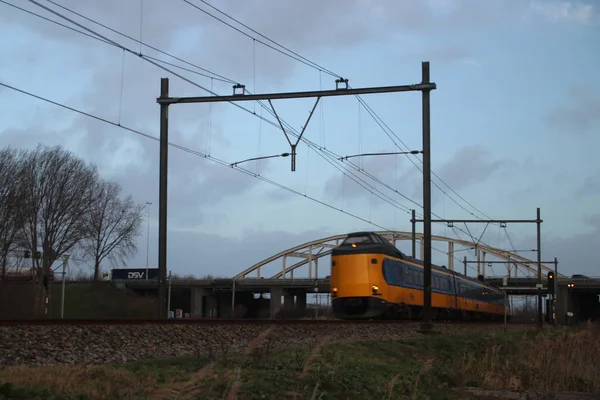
(373, 242)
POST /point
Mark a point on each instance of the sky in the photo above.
(515, 119)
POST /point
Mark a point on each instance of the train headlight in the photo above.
(334, 290)
(375, 288)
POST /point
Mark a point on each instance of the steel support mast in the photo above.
(426, 326)
(342, 89)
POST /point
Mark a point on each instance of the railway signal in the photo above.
(550, 282)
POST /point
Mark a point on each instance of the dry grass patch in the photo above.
(96, 382)
(548, 360)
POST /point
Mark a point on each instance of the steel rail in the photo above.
(223, 321)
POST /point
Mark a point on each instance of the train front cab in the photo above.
(356, 278)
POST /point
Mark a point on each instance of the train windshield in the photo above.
(366, 238)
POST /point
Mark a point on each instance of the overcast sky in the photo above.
(515, 118)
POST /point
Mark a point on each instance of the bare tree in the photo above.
(112, 226)
(58, 195)
(10, 204)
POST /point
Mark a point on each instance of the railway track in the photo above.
(223, 321)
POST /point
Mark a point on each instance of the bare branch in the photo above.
(11, 216)
(58, 193)
(112, 226)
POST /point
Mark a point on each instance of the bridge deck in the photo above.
(515, 286)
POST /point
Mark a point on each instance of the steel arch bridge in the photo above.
(309, 254)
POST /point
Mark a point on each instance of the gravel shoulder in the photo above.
(101, 344)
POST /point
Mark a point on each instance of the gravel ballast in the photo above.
(101, 344)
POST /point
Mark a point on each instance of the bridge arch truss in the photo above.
(309, 254)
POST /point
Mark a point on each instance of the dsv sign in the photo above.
(134, 274)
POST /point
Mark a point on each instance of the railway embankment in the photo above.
(119, 342)
(328, 361)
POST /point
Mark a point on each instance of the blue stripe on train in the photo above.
(397, 273)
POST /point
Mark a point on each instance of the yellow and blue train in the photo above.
(372, 279)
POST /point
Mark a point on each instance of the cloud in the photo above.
(197, 187)
(470, 164)
(393, 170)
(575, 253)
(448, 54)
(590, 186)
(205, 197)
(566, 11)
(202, 253)
(311, 28)
(581, 115)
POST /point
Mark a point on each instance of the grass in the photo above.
(103, 300)
(423, 368)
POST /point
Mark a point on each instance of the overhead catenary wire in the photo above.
(197, 153)
(294, 132)
(373, 114)
(111, 42)
(294, 55)
(219, 77)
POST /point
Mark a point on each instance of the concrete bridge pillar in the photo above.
(196, 302)
(275, 303)
(288, 301)
(563, 305)
(483, 263)
(301, 300)
(203, 303)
